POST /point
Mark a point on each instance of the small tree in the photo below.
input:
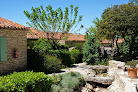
(91, 51)
(52, 22)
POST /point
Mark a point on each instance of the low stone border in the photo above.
(121, 83)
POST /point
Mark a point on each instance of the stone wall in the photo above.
(15, 39)
(121, 81)
(75, 43)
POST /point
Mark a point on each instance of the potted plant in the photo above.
(132, 70)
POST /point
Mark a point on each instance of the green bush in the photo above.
(39, 62)
(25, 82)
(67, 82)
(64, 55)
(70, 82)
(64, 47)
(75, 55)
(51, 64)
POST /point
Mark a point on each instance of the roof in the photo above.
(120, 40)
(7, 24)
(35, 34)
(76, 38)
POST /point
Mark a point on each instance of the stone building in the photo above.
(72, 40)
(13, 46)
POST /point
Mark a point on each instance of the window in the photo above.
(3, 49)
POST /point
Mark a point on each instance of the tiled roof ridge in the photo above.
(7, 24)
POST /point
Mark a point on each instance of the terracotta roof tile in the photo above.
(76, 38)
(35, 34)
(120, 40)
(7, 24)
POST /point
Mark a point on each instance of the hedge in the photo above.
(25, 82)
(64, 55)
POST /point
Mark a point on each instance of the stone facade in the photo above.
(15, 39)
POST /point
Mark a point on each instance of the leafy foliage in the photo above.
(75, 55)
(91, 51)
(41, 48)
(51, 64)
(25, 82)
(53, 22)
(64, 55)
(120, 21)
(35, 61)
(42, 62)
(124, 50)
(42, 45)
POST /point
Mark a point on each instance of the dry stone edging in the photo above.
(121, 83)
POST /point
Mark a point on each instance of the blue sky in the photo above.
(13, 9)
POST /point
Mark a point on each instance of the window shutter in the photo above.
(3, 49)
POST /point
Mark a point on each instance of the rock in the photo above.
(84, 89)
(121, 65)
(89, 86)
(102, 80)
(97, 89)
(100, 68)
(90, 73)
(136, 65)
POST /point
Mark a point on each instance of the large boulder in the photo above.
(101, 80)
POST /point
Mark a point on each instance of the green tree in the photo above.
(53, 22)
(120, 21)
(91, 51)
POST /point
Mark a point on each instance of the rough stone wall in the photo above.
(121, 81)
(15, 39)
(62, 42)
(75, 43)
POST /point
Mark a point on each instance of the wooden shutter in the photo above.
(3, 49)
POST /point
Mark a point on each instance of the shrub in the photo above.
(39, 62)
(55, 88)
(75, 55)
(64, 47)
(25, 82)
(70, 82)
(67, 82)
(51, 64)
(64, 55)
